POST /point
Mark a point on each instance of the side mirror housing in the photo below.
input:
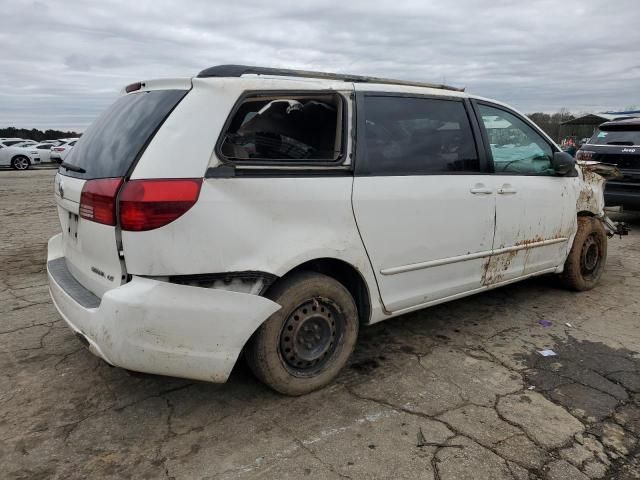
(564, 164)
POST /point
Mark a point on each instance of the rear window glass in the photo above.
(616, 137)
(285, 129)
(111, 144)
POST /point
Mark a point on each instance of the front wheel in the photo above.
(304, 345)
(585, 263)
(20, 162)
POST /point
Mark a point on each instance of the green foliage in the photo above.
(35, 134)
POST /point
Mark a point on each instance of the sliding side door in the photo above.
(421, 199)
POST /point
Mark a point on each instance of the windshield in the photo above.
(615, 137)
(112, 143)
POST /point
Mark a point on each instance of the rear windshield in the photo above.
(112, 143)
(616, 137)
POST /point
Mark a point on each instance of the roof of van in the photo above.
(240, 70)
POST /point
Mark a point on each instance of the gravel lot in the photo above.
(453, 392)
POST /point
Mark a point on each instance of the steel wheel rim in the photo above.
(21, 163)
(590, 256)
(310, 335)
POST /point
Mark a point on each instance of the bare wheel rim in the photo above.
(21, 163)
(310, 336)
(590, 257)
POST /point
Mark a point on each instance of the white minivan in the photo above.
(274, 212)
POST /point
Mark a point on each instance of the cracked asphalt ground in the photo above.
(453, 392)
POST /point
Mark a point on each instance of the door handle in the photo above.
(481, 188)
(506, 189)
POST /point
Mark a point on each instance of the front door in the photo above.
(421, 199)
(535, 208)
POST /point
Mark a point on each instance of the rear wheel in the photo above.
(20, 162)
(304, 345)
(585, 263)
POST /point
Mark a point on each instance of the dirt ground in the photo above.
(452, 392)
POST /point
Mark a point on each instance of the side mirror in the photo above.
(564, 164)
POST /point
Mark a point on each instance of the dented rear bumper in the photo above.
(161, 328)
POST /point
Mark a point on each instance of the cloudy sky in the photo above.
(64, 61)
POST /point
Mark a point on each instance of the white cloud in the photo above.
(64, 61)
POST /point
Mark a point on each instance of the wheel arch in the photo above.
(347, 275)
(586, 213)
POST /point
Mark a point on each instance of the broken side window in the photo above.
(285, 129)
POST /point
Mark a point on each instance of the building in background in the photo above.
(577, 129)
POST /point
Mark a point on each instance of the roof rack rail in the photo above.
(239, 70)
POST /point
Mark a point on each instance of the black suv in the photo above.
(618, 142)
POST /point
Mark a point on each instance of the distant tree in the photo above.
(35, 134)
(550, 123)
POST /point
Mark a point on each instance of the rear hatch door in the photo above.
(107, 150)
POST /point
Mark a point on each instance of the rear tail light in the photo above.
(584, 155)
(58, 149)
(149, 204)
(98, 200)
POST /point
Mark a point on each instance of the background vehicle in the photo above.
(37, 153)
(18, 158)
(618, 142)
(9, 142)
(306, 205)
(59, 152)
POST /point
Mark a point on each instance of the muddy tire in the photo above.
(304, 345)
(20, 162)
(585, 263)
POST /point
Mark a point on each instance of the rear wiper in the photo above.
(73, 168)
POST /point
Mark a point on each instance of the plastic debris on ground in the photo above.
(547, 353)
(545, 323)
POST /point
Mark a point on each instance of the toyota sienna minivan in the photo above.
(272, 213)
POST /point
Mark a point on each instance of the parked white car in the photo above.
(42, 152)
(59, 152)
(275, 212)
(18, 157)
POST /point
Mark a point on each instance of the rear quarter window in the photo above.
(284, 129)
(112, 143)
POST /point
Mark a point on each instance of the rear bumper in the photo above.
(624, 194)
(158, 327)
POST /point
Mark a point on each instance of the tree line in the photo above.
(35, 134)
(550, 122)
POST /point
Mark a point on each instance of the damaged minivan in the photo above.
(271, 214)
